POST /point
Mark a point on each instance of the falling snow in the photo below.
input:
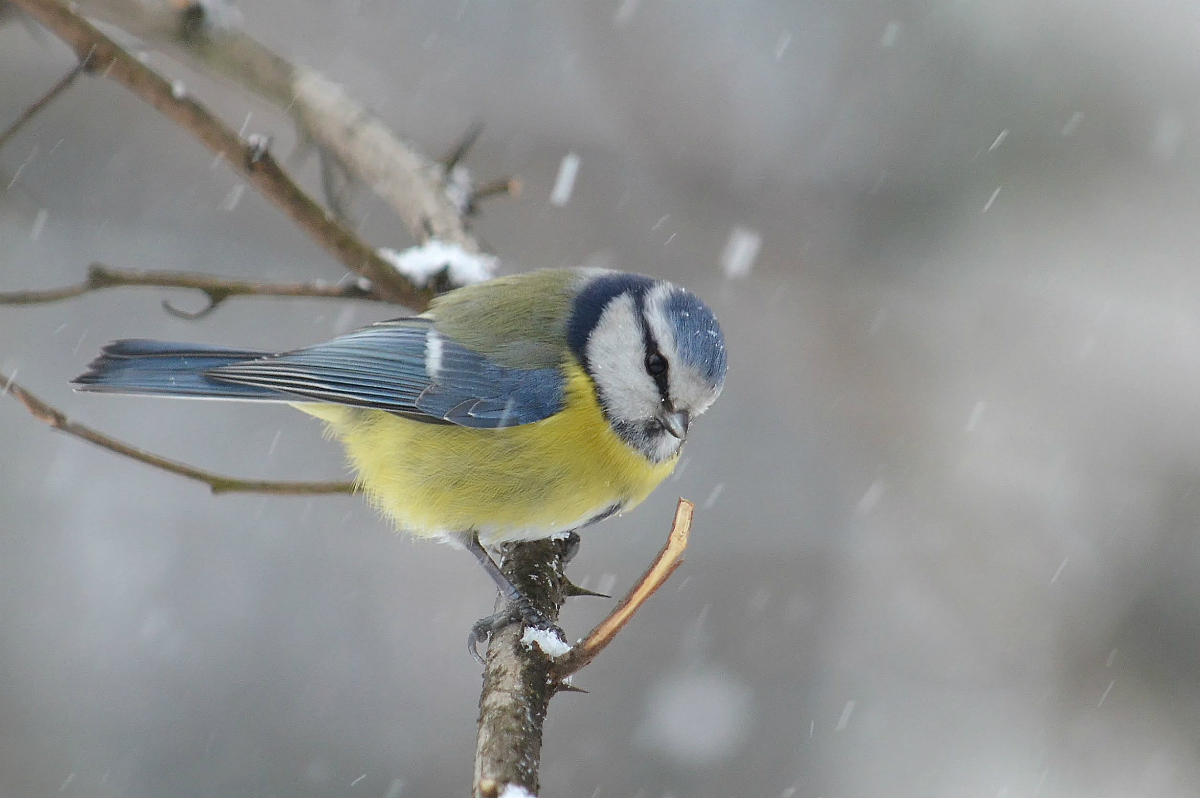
(564, 182)
(891, 34)
(741, 249)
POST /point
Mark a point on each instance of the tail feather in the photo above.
(162, 368)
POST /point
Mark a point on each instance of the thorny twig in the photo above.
(217, 289)
(520, 680)
(218, 483)
(668, 559)
(251, 158)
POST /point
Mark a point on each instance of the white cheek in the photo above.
(616, 354)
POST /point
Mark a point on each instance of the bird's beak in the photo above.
(677, 422)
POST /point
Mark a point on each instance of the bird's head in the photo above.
(655, 353)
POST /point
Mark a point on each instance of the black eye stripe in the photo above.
(652, 350)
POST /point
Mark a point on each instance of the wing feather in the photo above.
(386, 367)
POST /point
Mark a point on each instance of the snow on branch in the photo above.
(436, 261)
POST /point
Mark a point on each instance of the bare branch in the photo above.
(519, 680)
(668, 559)
(217, 289)
(516, 679)
(456, 155)
(41, 104)
(508, 186)
(218, 483)
(251, 158)
(343, 127)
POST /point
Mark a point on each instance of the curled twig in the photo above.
(668, 559)
(217, 289)
(218, 483)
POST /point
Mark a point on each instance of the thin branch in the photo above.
(251, 158)
(41, 104)
(365, 146)
(516, 679)
(218, 483)
(520, 680)
(669, 558)
(456, 155)
(217, 289)
(508, 186)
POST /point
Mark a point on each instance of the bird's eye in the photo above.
(656, 364)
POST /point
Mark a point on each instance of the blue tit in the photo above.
(519, 408)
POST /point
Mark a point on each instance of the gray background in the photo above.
(946, 537)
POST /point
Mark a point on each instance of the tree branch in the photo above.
(45, 100)
(516, 679)
(218, 483)
(367, 148)
(251, 158)
(520, 680)
(217, 289)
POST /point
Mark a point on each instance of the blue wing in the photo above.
(405, 367)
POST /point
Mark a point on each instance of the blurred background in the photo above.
(946, 531)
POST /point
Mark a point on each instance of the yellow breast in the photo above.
(504, 484)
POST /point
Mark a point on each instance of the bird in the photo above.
(519, 408)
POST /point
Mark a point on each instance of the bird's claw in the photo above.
(485, 628)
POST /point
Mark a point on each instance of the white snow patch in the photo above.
(422, 263)
(516, 791)
(547, 640)
(740, 252)
(564, 183)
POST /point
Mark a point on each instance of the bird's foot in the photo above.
(522, 611)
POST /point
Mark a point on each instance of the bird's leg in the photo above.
(518, 608)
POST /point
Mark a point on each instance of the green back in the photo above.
(518, 321)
